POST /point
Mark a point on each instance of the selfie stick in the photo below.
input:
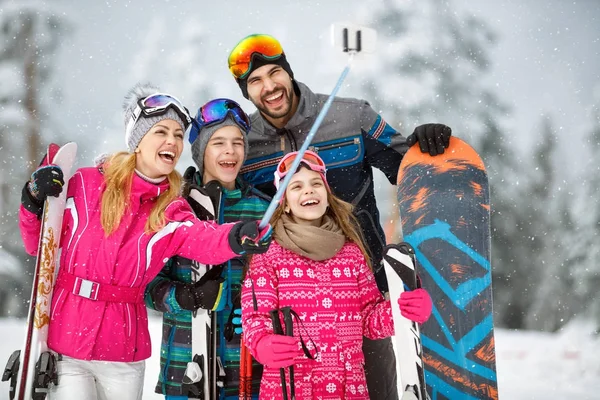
(283, 185)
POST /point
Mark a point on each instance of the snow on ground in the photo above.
(530, 365)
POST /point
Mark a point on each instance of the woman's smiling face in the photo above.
(160, 149)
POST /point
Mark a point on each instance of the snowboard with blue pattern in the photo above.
(445, 214)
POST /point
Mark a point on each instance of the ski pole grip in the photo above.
(276, 322)
(287, 320)
(277, 329)
(289, 331)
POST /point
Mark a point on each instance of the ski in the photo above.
(245, 391)
(399, 265)
(204, 374)
(33, 368)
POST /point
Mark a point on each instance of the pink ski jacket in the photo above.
(337, 301)
(98, 312)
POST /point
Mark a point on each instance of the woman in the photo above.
(316, 270)
(124, 219)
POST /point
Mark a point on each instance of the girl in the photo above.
(219, 144)
(123, 220)
(318, 267)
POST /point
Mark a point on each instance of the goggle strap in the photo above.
(172, 102)
(263, 59)
(134, 117)
(315, 166)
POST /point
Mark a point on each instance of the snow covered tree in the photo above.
(587, 271)
(549, 221)
(502, 166)
(30, 33)
(534, 230)
(555, 300)
(429, 66)
(176, 67)
(431, 61)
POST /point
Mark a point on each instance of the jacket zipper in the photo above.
(283, 133)
(316, 149)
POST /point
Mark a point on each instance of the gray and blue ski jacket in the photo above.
(352, 139)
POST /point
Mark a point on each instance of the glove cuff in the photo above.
(218, 298)
(30, 203)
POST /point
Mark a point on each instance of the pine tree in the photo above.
(586, 251)
(30, 33)
(432, 61)
(502, 167)
(184, 75)
(548, 218)
(555, 302)
(429, 67)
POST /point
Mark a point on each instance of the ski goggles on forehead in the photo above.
(240, 58)
(310, 159)
(215, 112)
(158, 104)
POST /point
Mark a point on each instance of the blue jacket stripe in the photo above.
(382, 131)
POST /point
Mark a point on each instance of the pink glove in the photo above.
(415, 305)
(277, 351)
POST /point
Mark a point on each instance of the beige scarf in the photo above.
(315, 242)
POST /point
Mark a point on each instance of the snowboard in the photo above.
(32, 368)
(399, 266)
(445, 215)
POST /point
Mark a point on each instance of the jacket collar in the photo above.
(242, 189)
(144, 190)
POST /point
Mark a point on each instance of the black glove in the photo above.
(432, 138)
(188, 180)
(245, 238)
(45, 181)
(208, 293)
(188, 175)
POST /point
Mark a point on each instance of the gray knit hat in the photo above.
(199, 145)
(143, 124)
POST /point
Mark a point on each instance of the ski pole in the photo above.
(283, 185)
(245, 391)
(289, 331)
(313, 130)
(277, 329)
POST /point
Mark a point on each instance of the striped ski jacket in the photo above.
(244, 203)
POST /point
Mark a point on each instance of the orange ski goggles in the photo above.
(310, 159)
(240, 58)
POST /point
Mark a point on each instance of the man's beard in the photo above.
(277, 114)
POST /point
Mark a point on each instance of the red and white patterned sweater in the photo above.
(337, 301)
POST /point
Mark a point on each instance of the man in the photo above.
(352, 139)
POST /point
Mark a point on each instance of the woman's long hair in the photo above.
(341, 212)
(118, 176)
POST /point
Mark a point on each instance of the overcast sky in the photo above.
(546, 60)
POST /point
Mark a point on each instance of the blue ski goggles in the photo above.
(215, 112)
